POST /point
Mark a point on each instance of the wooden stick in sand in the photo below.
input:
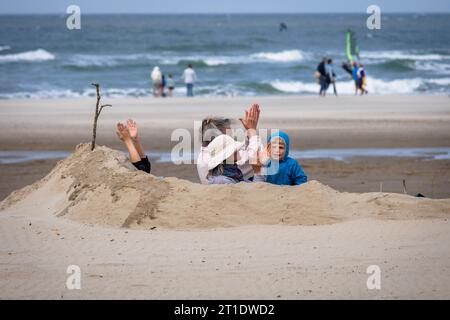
(98, 110)
(404, 186)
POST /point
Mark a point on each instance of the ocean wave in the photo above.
(283, 56)
(260, 57)
(440, 82)
(438, 68)
(374, 86)
(401, 55)
(67, 93)
(226, 90)
(84, 61)
(35, 55)
(398, 65)
(4, 48)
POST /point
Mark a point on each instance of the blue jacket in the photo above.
(355, 73)
(289, 171)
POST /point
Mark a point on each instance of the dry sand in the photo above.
(135, 235)
(101, 187)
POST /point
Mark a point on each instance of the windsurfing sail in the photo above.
(352, 46)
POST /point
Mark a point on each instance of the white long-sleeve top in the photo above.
(189, 76)
(246, 156)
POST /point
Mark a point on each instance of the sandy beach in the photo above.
(311, 241)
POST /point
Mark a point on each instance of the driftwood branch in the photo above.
(98, 110)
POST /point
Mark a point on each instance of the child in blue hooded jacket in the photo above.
(289, 171)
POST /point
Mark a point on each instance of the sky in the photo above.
(222, 6)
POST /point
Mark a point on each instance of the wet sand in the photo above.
(312, 123)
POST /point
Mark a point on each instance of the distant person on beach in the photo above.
(362, 80)
(330, 75)
(156, 77)
(170, 85)
(347, 66)
(163, 85)
(129, 135)
(289, 170)
(189, 78)
(355, 76)
(213, 127)
(322, 77)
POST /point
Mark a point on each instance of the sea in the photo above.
(232, 54)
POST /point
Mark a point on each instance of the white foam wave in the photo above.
(227, 90)
(374, 86)
(66, 93)
(35, 55)
(400, 55)
(283, 56)
(4, 48)
(438, 68)
(440, 82)
(294, 86)
(84, 61)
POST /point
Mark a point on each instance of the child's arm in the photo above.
(297, 175)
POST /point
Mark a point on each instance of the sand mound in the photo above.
(102, 187)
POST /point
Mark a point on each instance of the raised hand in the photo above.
(122, 131)
(250, 121)
(132, 128)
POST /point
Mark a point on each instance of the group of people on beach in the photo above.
(223, 160)
(356, 70)
(160, 82)
(326, 76)
(324, 73)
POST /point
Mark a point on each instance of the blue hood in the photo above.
(289, 171)
(283, 136)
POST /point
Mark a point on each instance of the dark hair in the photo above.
(330, 60)
(214, 126)
(189, 65)
(170, 75)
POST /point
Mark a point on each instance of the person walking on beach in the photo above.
(322, 77)
(330, 75)
(355, 76)
(189, 78)
(156, 77)
(170, 85)
(362, 81)
(163, 85)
